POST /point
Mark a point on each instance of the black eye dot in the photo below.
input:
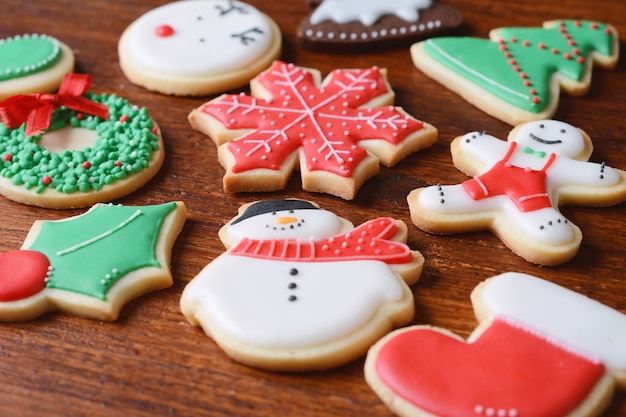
(273, 213)
(541, 126)
(291, 211)
(199, 18)
(201, 40)
(562, 130)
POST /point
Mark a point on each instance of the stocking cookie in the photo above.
(198, 47)
(302, 289)
(340, 24)
(75, 148)
(539, 350)
(518, 188)
(339, 130)
(33, 63)
(517, 74)
(92, 264)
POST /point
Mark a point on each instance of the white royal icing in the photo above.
(547, 136)
(248, 298)
(209, 36)
(367, 11)
(283, 224)
(564, 316)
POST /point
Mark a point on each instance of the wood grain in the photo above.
(151, 362)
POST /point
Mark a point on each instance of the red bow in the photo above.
(36, 109)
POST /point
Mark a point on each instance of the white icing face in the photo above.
(199, 36)
(288, 224)
(367, 11)
(551, 136)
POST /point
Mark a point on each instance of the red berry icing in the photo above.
(22, 274)
(163, 31)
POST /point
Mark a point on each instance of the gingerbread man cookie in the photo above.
(300, 288)
(33, 63)
(342, 24)
(539, 350)
(518, 187)
(338, 130)
(92, 264)
(517, 74)
(75, 148)
(198, 47)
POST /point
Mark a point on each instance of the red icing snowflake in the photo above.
(326, 121)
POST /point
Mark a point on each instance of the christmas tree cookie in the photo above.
(92, 264)
(517, 74)
(539, 350)
(33, 63)
(339, 130)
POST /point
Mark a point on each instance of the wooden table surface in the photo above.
(151, 362)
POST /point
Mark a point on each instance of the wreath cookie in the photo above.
(75, 148)
(92, 264)
(33, 63)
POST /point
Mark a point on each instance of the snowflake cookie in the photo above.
(539, 350)
(92, 264)
(300, 288)
(517, 189)
(338, 130)
(517, 74)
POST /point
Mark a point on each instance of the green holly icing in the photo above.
(91, 252)
(124, 147)
(518, 68)
(27, 54)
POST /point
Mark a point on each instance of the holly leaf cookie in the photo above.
(92, 264)
(198, 47)
(517, 188)
(338, 130)
(342, 24)
(302, 289)
(517, 74)
(33, 63)
(539, 350)
(75, 148)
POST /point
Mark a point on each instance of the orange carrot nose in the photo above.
(286, 220)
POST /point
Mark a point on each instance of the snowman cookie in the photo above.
(198, 47)
(517, 74)
(539, 350)
(75, 148)
(341, 24)
(92, 264)
(517, 188)
(339, 131)
(302, 289)
(33, 63)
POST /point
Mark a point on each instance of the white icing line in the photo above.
(476, 73)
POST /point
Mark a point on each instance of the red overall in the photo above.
(524, 186)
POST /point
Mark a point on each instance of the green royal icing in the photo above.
(123, 148)
(91, 252)
(27, 54)
(537, 52)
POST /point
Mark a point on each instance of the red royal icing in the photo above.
(163, 31)
(326, 122)
(22, 274)
(507, 372)
(369, 241)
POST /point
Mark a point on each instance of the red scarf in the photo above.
(369, 241)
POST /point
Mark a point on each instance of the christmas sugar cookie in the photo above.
(300, 288)
(337, 24)
(198, 47)
(92, 264)
(517, 189)
(517, 74)
(33, 63)
(75, 148)
(338, 131)
(539, 350)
